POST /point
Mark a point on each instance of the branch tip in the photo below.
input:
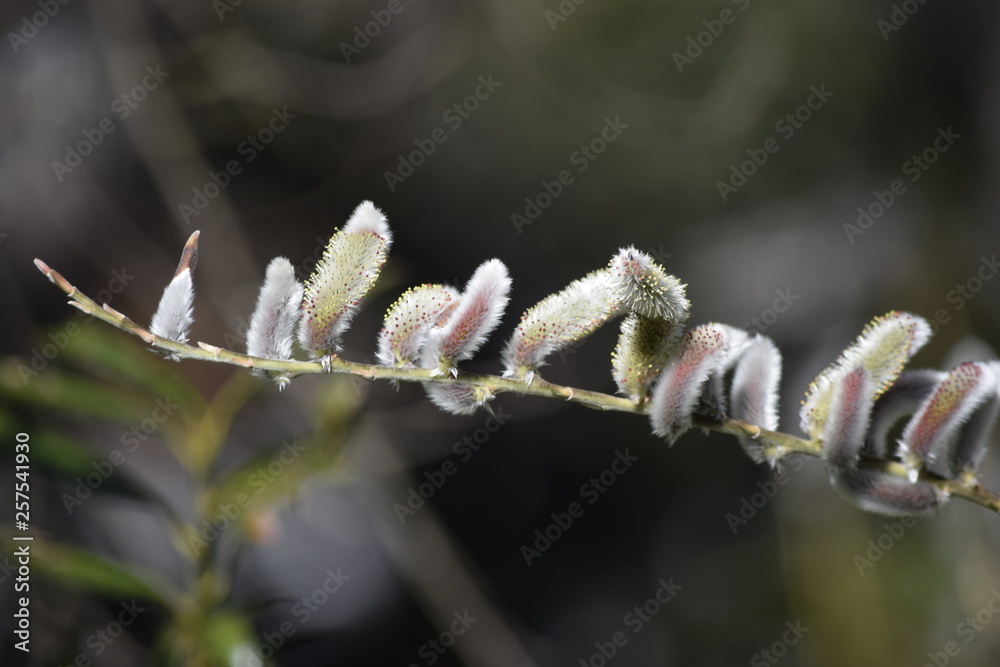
(189, 256)
(55, 277)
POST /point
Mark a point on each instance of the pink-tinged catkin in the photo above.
(702, 352)
(881, 493)
(409, 321)
(476, 315)
(935, 431)
(899, 401)
(847, 423)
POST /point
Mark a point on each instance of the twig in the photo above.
(776, 445)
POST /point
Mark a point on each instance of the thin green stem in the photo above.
(775, 445)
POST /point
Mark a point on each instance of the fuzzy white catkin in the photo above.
(367, 219)
(272, 325)
(175, 313)
(558, 321)
(643, 350)
(349, 267)
(458, 398)
(756, 381)
(753, 396)
(645, 288)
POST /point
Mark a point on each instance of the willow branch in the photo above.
(776, 445)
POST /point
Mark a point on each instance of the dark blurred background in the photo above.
(751, 147)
